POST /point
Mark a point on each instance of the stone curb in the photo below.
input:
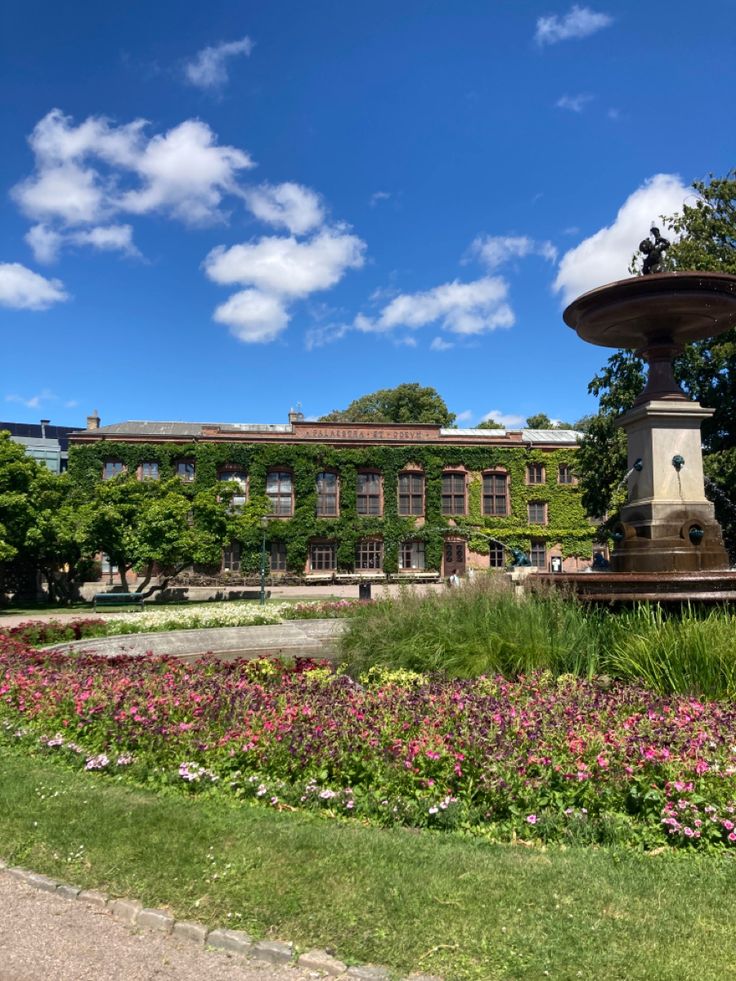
(134, 914)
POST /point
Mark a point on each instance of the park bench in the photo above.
(118, 599)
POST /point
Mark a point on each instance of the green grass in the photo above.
(436, 903)
(484, 629)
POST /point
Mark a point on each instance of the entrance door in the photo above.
(454, 558)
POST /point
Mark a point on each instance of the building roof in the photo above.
(325, 431)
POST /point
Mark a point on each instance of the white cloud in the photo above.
(286, 267)
(86, 174)
(287, 205)
(208, 68)
(494, 250)
(45, 243)
(108, 238)
(325, 334)
(379, 196)
(23, 289)
(578, 22)
(34, 401)
(253, 316)
(438, 344)
(461, 308)
(464, 416)
(278, 271)
(574, 103)
(506, 419)
(185, 173)
(605, 256)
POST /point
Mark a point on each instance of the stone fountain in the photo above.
(668, 543)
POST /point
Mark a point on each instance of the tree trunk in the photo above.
(162, 583)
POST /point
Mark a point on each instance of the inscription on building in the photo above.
(408, 434)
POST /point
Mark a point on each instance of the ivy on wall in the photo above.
(567, 524)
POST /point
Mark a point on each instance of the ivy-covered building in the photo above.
(367, 500)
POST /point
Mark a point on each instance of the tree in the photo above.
(704, 238)
(149, 525)
(407, 403)
(542, 421)
(31, 501)
(489, 424)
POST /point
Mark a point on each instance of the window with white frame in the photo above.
(411, 555)
(369, 554)
(239, 480)
(149, 471)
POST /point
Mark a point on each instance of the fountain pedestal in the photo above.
(668, 525)
(668, 544)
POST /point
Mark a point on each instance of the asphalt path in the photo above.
(44, 937)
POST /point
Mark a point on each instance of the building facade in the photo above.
(45, 443)
(367, 500)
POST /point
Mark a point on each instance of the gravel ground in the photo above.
(48, 938)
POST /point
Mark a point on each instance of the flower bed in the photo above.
(542, 758)
(41, 633)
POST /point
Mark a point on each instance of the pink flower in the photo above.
(531, 818)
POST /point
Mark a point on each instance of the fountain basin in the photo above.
(670, 589)
(661, 309)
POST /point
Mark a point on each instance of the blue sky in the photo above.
(217, 211)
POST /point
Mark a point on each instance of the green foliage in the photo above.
(542, 421)
(482, 629)
(567, 519)
(406, 403)
(142, 523)
(476, 630)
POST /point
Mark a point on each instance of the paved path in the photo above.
(308, 638)
(48, 938)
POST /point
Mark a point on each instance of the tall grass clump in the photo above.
(691, 652)
(481, 628)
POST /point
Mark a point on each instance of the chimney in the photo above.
(93, 421)
(295, 415)
(44, 424)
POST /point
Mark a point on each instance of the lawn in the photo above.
(436, 902)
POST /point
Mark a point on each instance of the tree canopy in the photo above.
(703, 238)
(408, 402)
